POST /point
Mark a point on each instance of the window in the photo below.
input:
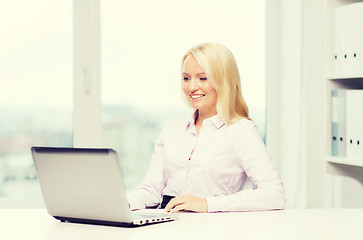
(36, 87)
(142, 46)
(142, 43)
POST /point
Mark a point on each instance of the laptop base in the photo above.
(103, 223)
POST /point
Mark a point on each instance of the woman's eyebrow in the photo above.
(201, 73)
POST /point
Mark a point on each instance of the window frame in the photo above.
(87, 109)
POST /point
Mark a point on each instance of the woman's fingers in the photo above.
(173, 202)
(187, 202)
(180, 207)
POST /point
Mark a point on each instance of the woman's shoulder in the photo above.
(246, 128)
(243, 123)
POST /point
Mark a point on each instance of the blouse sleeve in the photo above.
(268, 192)
(148, 193)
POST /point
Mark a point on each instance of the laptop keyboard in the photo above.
(138, 216)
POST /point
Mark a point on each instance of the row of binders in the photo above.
(347, 40)
(347, 124)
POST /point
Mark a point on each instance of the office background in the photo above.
(106, 74)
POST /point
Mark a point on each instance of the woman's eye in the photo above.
(203, 78)
(185, 78)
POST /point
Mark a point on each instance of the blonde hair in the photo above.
(221, 70)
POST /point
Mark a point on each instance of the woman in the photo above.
(202, 164)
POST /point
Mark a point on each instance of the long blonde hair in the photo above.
(221, 70)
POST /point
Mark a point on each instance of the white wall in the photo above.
(313, 73)
(285, 129)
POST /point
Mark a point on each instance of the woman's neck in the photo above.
(199, 118)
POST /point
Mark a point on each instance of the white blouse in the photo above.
(216, 165)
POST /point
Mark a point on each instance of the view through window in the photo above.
(36, 87)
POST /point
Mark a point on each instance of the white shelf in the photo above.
(343, 77)
(345, 168)
(345, 161)
(339, 165)
(342, 186)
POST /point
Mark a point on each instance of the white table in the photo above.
(292, 224)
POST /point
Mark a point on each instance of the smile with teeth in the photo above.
(196, 96)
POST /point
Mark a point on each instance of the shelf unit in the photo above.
(342, 166)
(344, 161)
(338, 166)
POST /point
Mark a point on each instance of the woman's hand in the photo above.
(187, 202)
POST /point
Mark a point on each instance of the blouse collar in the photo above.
(216, 120)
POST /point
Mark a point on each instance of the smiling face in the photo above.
(198, 89)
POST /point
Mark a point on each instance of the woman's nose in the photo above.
(193, 86)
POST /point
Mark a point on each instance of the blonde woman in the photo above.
(203, 164)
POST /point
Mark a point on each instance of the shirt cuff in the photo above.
(217, 204)
(134, 203)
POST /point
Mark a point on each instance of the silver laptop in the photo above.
(86, 186)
